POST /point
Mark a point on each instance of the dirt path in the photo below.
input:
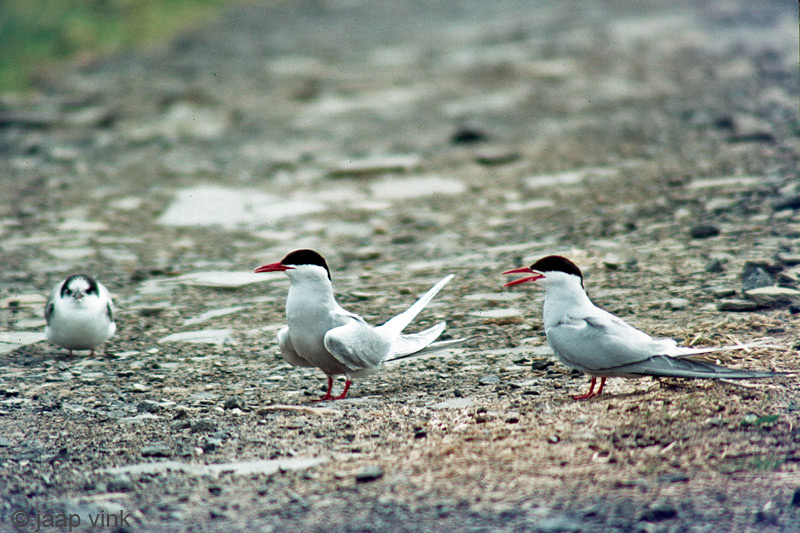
(656, 146)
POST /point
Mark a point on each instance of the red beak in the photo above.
(522, 270)
(273, 267)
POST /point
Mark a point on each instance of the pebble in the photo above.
(148, 406)
(491, 379)
(704, 231)
(156, 450)
(755, 277)
(773, 296)
(677, 303)
(454, 403)
(203, 425)
(736, 304)
(715, 266)
(139, 387)
(796, 497)
(658, 512)
(360, 168)
(369, 473)
(234, 402)
(218, 337)
(120, 483)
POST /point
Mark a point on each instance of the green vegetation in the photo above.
(38, 33)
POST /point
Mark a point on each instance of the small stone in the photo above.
(121, 483)
(773, 296)
(791, 202)
(658, 512)
(490, 379)
(715, 266)
(467, 135)
(736, 304)
(541, 364)
(203, 425)
(369, 473)
(704, 231)
(210, 444)
(156, 450)
(767, 514)
(789, 259)
(677, 477)
(148, 406)
(454, 403)
(755, 277)
(512, 417)
(234, 402)
(724, 292)
(420, 434)
(796, 497)
(677, 303)
(139, 387)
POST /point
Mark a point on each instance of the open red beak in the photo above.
(522, 270)
(273, 267)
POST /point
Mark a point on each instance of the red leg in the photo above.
(602, 382)
(591, 390)
(346, 388)
(328, 395)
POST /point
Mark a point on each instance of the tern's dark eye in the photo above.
(68, 292)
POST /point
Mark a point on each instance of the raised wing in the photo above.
(357, 345)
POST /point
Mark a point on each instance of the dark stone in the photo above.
(704, 231)
(234, 402)
(658, 512)
(203, 425)
(715, 266)
(369, 473)
(468, 135)
(156, 450)
(796, 497)
(787, 203)
(755, 277)
(148, 406)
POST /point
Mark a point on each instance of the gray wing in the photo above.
(603, 341)
(287, 350)
(109, 302)
(665, 366)
(357, 345)
(50, 306)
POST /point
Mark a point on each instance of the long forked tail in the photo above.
(394, 326)
(686, 351)
(665, 366)
(414, 344)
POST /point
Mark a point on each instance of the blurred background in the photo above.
(37, 34)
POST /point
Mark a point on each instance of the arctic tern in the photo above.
(594, 341)
(79, 314)
(321, 334)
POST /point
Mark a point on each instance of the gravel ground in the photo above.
(655, 145)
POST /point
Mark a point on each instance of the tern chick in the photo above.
(79, 314)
